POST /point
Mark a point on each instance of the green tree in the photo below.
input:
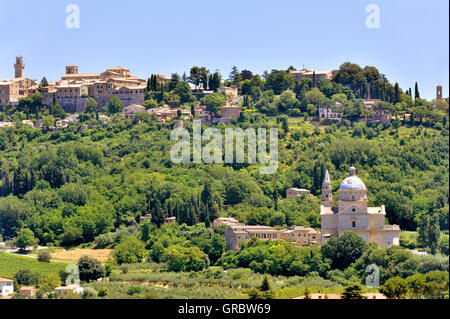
(130, 250)
(214, 81)
(159, 214)
(183, 90)
(25, 277)
(91, 106)
(150, 104)
(195, 76)
(416, 92)
(174, 80)
(344, 250)
(429, 232)
(44, 82)
(416, 285)
(25, 237)
(235, 76)
(180, 258)
(215, 103)
(114, 105)
(394, 288)
(352, 292)
(90, 269)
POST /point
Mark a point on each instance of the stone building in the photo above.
(228, 221)
(331, 113)
(14, 89)
(303, 236)
(130, 110)
(231, 92)
(236, 233)
(294, 192)
(310, 73)
(74, 88)
(352, 213)
(116, 81)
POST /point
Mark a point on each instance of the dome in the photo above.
(352, 182)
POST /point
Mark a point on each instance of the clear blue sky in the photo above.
(166, 36)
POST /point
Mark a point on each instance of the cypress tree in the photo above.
(416, 92)
(396, 93)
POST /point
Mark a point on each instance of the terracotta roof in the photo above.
(5, 280)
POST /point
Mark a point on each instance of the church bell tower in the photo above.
(19, 67)
(327, 190)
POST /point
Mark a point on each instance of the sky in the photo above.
(168, 36)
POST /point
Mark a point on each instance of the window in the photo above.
(353, 223)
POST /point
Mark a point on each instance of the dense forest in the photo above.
(70, 186)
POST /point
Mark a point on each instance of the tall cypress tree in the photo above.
(158, 214)
(416, 92)
(396, 93)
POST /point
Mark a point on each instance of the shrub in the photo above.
(44, 256)
(103, 292)
(134, 290)
(89, 293)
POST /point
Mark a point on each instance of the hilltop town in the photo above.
(87, 180)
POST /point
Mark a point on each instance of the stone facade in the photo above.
(236, 233)
(352, 213)
(74, 88)
(327, 112)
(14, 89)
(294, 192)
(310, 73)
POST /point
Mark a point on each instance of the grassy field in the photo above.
(11, 264)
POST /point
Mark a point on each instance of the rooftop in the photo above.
(5, 280)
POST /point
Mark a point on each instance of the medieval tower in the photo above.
(19, 67)
(439, 92)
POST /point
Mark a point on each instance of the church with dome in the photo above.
(352, 213)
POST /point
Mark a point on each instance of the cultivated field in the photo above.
(11, 264)
(74, 255)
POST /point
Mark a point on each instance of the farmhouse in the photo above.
(130, 110)
(294, 192)
(27, 292)
(310, 74)
(63, 290)
(6, 287)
